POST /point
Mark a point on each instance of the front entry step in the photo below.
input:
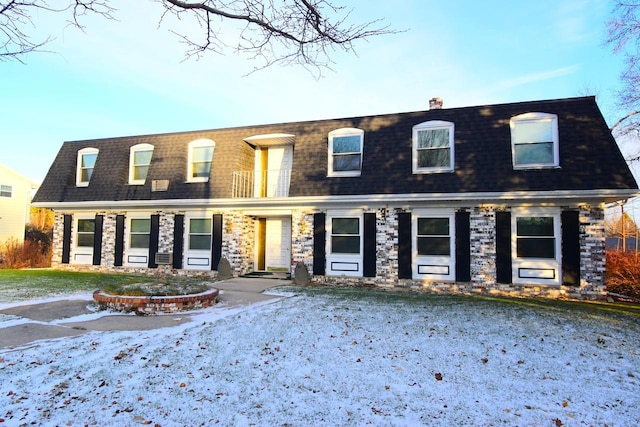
(282, 275)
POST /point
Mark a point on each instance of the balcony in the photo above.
(268, 183)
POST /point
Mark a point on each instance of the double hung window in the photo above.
(433, 147)
(433, 237)
(139, 233)
(85, 232)
(200, 233)
(345, 235)
(200, 159)
(6, 190)
(139, 161)
(87, 158)
(345, 152)
(433, 244)
(534, 140)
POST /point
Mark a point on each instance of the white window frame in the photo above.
(197, 259)
(82, 254)
(341, 133)
(433, 267)
(426, 126)
(132, 166)
(6, 191)
(136, 256)
(535, 117)
(537, 271)
(198, 143)
(344, 264)
(79, 168)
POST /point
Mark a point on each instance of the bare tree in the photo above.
(287, 32)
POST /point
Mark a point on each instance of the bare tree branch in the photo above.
(287, 32)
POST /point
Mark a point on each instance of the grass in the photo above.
(19, 285)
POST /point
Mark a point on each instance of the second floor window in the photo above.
(200, 160)
(345, 152)
(139, 161)
(433, 147)
(87, 158)
(534, 140)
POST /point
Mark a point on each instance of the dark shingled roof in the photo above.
(589, 157)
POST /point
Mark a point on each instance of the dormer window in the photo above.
(345, 152)
(200, 158)
(534, 141)
(139, 161)
(86, 162)
(433, 147)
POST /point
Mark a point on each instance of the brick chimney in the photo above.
(435, 103)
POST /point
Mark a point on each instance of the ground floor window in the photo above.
(344, 243)
(84, 233)
(433, 233)
(200, 234)
(536, 249)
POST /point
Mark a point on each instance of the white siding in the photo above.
(14, 210)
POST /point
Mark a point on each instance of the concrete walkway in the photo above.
(55, 319)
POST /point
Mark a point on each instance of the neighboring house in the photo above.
(15, 203)
(499, 198)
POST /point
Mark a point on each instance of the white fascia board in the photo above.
(550, 198)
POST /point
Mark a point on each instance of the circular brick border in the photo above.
(155, 304)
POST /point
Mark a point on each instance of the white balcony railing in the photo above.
(269, 183)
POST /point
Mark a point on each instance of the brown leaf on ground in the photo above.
(438, 376)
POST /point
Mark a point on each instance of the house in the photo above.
(504, 199)
(15, 200)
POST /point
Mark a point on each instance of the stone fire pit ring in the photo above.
(155, 304)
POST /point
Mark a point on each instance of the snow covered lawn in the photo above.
(327, 356)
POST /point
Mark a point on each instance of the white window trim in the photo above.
(338, 133)
(537, 264)
(88, 150)
(4, 189)
(432, 125)
(135, 256)
(436, 264)
(81, 254)
(536, 117)
(340, 264)
(197, 259)
(132, 151)
(195, 144)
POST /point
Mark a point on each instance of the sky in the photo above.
(129, 76)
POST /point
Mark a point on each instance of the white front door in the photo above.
(277, 243)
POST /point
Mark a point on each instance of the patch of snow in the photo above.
(326, 359)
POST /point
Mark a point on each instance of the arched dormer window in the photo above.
(139, 161)
(200, 159)
(345, 152)
(86, 162)
(432, 147)
(534, 141)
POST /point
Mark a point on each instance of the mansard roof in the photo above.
(588, 157)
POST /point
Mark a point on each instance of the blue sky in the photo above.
(128, 77)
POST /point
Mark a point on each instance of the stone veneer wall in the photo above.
(239, 245)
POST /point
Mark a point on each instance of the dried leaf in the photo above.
(438, 376)
(565, 404)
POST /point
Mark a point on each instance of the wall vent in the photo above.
(164, 258)
(160, 185)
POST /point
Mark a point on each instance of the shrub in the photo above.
(623, 273)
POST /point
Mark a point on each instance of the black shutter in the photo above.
(319, 241)
(178, 241)
(570, 248)
(154, 236)
(369, 256)
(503, 247)
(404, 245)
(119, 249)
(97, 240)
(463, 247)
(67, 225)
(216, 247)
